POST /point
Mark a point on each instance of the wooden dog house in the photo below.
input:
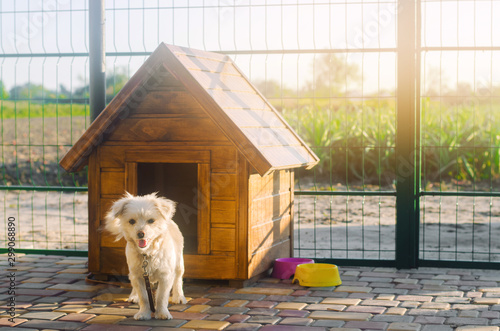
(191, 126)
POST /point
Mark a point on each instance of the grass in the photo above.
(461, 142)
(25, 109)
(356, 141)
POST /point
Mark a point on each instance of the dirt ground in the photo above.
(31, 149)
(46, 220)
(324, 227)
(463, 228)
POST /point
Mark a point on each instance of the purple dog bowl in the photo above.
(284, 268)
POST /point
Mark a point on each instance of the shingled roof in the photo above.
(228, 98)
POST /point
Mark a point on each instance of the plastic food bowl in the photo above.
(317, 275)
(284, 268)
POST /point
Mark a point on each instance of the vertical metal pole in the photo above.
(407, 220)
(97, 57)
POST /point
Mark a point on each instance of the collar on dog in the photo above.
(148, 284)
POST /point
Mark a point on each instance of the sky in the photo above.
(298, 27)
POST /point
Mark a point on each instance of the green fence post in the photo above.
(97, 58)
(407, 220)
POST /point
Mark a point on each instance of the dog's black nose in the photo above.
(140, 234)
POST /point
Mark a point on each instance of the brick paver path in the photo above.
(52, 293)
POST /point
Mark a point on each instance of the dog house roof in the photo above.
(246, 118)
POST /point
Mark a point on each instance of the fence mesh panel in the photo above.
(328, 66)
(43, 110)
(460, 126)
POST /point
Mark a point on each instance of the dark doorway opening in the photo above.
(177, 182)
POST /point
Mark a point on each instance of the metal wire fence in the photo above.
(330, 67)
(460, 93)
(43, 109)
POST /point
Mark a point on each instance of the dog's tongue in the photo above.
(142, 243)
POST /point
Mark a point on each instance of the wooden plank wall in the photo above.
(170, 117)
(270, 217)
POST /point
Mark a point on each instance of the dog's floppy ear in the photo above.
(112, 219)
(166, 207)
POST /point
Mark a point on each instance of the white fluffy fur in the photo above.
(164, 249)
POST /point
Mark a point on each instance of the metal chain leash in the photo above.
(145, 265)
(148, 284)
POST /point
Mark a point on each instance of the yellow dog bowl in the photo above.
(317, 275)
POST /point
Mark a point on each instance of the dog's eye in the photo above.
(151, 221)
(132, 221)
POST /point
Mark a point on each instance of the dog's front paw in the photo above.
(178, 299)
(133, 298)
(163, 315)
(143, 315)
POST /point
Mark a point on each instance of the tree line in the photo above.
(332, 76)
(38, 92)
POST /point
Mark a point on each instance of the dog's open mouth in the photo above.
(142, 243)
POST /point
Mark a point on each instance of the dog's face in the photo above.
(140, 219)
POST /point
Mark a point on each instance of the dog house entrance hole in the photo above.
(177, 182)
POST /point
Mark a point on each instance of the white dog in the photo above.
(146, 223)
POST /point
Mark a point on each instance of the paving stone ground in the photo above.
(52, 294)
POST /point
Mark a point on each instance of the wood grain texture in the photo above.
(112, 182)
(105, 206)
(271, 208)
(182, 72)
(222, 81)
(263, 187)
(210, 266)
(223, 213)
(167, 129)
(263, 259)
(269, 228)
(113, 261)
(267, 234)
(224, 159)
(196, 107)
(215, 84)
(267, 137)
(223, 266)
(170, 102)
(131, 178)
(202, 63)
(257, 118)
(162, 80)
(292, 210)
(128, 98)
(204, 205)
(223, 239)
(237, 100)
(282, 157)
(199, 54)
(223, 186)
(108, 240)
(149, 154)
(94, 184)
(242, 230)
(111, 157)
(232, 90)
